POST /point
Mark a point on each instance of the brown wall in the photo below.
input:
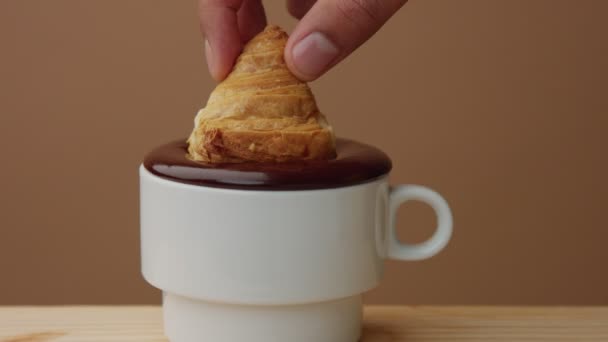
(500, 105)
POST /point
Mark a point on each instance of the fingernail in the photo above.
(313, 54)
(210, 59)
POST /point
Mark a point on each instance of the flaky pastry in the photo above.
(261, 112)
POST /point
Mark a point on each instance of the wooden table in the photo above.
(382, 324)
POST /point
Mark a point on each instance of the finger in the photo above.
(223, 43)
(331, 30)
(251, 19)
(298, 8)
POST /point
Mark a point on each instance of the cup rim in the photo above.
(357, 163)
(144, 172)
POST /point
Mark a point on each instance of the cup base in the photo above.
(193, 320)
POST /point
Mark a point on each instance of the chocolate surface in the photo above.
(355, 163)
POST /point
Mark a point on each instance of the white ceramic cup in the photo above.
(265, 266)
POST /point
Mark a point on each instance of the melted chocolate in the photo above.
(355, 163)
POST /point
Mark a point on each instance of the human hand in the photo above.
(328, 31)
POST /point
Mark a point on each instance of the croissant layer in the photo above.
(261, 112)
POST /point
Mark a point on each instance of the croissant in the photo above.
(261, 112)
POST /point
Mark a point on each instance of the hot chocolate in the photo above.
(355, 163)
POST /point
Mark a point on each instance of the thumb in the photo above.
(331, 30)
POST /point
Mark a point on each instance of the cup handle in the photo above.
(402, 251)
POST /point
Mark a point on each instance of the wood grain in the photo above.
(382, 324)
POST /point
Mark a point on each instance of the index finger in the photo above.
(219, 25)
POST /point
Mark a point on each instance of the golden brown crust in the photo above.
(261, 112)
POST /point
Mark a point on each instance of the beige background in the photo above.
(500, 105)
